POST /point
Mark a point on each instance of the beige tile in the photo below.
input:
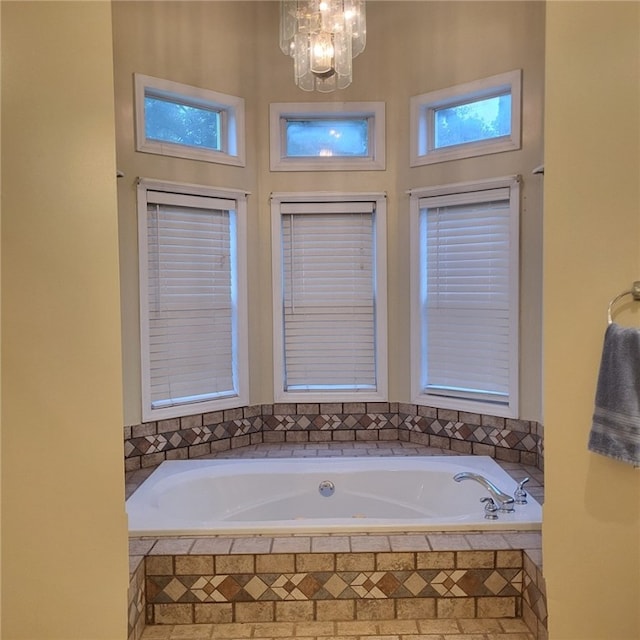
(291, 544)
(315, 562)
(251, 545)
(524, 540)
(159, 565)
(475, 559)
(504, 607)
(395, 561)
(438, 626)
(476, 625)
(375, 609)
(213, 612)
(294, 611)
(173, 613)
(193, 565)
(273, 629)
(398, 626)
(275, 563)
(157, 632)
(487, 541)
(447, 541)
(212, 545)
(370, 543)
(140, 546)
(513, 625)
(509, 559)
(192, 632)
(409, 543)
(332, 544)
(235, 631)
(235, 564)
(455, 607)
(355, 562)
(171, 546)
(255, 611)
(315, 628)
(465, 636)
(435, 560)
(416, 608)
(335, 610)
(356, 627)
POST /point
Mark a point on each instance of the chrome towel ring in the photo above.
(634, 291)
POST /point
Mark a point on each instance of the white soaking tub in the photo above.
(320, 495)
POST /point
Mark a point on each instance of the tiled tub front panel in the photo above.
(148, 444)
(186, 589)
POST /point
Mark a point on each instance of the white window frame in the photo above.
(422, 119)
(241, 398)
(380, 266)
(280, 112)
(508, 409)
(232, 124)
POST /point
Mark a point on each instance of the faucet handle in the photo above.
(490, 508)
(520, 494)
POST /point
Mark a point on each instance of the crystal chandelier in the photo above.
(322, 37)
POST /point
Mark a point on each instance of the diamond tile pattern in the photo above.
(454, 583)
(158, 438)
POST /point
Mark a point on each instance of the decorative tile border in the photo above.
(342, 585)
(435, 584)
(148, 444)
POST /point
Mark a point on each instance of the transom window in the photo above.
(467, 120)
(327, 136)
(179, 120)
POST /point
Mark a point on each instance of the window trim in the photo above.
(280, 112)
(150, 414)
(419, 397)
(380, 394)
(232, 121)
(422, 121)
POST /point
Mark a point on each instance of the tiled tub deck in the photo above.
(238, 583)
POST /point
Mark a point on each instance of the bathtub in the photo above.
(321, 495)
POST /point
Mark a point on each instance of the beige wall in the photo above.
(64, 532)
(591, 529)
(413, 48)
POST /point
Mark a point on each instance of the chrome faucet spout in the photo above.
(504, 500)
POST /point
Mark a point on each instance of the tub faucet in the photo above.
(503, 500)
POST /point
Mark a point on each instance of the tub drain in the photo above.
(326, 488)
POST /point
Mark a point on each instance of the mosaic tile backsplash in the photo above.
(150, 443)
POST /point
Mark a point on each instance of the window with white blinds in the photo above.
(328, 301)
(466, 298)
(191, 301)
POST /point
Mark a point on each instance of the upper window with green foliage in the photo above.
(188, 122)
(467, 120)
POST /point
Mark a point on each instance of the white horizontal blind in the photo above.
(465, 292)
(329, 296)
(191, 298)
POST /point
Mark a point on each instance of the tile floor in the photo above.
(462, 629)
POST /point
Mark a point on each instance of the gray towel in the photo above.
(615, 431)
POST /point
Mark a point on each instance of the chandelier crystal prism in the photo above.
(322, 37)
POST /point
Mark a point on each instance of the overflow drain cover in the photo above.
(326, 488)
